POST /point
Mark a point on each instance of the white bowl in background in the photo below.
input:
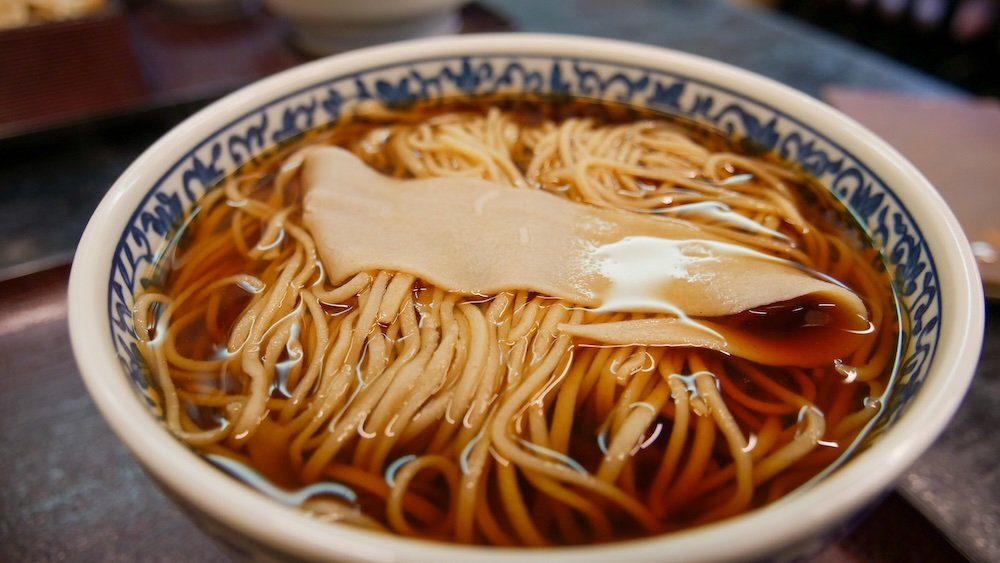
(928, 257)
(323, 27)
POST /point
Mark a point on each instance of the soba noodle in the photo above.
(510, 418)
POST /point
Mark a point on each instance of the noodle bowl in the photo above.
(272, 377)
(375, 397)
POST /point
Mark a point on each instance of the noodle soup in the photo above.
(519, 323)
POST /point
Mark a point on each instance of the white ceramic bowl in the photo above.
(322, 27)
(929, 259)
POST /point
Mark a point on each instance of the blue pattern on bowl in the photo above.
(874, 203)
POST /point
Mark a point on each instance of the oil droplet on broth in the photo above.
(850, 373)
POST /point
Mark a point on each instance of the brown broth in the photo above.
(749, 388)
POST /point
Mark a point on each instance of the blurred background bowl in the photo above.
(322, 27)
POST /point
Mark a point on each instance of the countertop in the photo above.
(70, 491)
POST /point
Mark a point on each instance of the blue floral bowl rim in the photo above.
(756, 534)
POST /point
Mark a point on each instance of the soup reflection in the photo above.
(520, 323)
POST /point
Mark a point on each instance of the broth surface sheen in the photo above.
(618, 405)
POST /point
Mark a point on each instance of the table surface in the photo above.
(70, 491)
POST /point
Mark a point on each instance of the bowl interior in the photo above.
(887, 196)
(725, 107)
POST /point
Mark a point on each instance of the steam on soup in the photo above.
(519, 323)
